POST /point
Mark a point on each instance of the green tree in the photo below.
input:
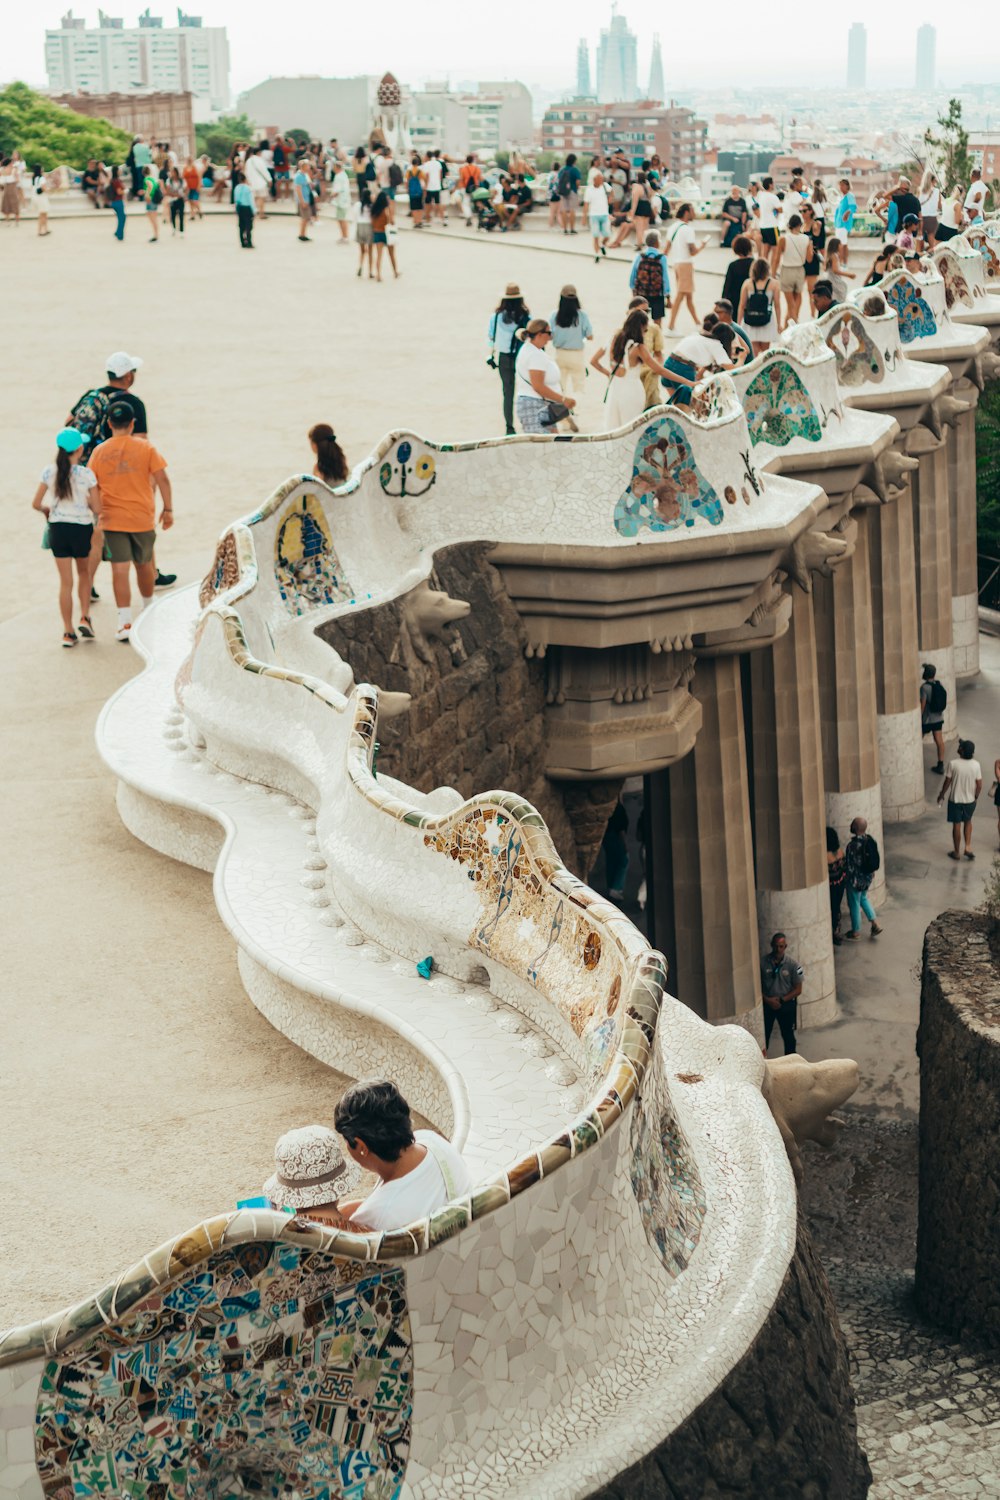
(988, 470)
(47, 133)
(951, 147)
(299, 136)
(216, 138)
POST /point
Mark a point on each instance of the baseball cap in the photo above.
(120, 363)
(70, 439)
(910, 219)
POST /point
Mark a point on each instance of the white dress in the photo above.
(626, 397)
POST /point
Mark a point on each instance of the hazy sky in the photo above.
(713, 42)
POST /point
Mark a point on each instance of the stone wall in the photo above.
(782, 1425)
(958, 1227)
(477, 720)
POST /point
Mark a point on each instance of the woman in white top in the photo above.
(952, 215)
(537, 379)
(39, 186)
(930, 208)
(835, 268)
(795, 248)
(70, 500)
(625, 397)
(757, 312)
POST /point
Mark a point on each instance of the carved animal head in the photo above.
(429, 611)
(802, 1096)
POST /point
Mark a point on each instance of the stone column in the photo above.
(932, 553)
(703, 886)
(897, 672)
(845, 658)
(961, 441)
(789, 814)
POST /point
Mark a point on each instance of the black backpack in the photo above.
(564, 182)
(870, 858)
(757, 313)
(395, 175)
(90, 416)
(939, 697)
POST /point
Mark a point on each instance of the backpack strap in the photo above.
(444, 1167)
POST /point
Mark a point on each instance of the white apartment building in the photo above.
(114, 58)
(496, 116)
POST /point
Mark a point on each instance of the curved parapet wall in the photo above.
(633, 1216)
(790, 395)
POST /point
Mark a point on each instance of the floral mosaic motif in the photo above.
(859, 359)
(411, 474)
(306, 568)
(779, 408)
(665, 1180)
(224, 572)
(980, 240)
(913, 311)
(667, 489)
(956, 288)
(270, 1370)
(570, 964)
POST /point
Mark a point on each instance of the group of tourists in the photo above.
(98, 498)
(319, 1171)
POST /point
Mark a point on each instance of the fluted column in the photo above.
(932, 554)
(897, 669)
(789, 813)
(703, 883)
(961, 441)
(845, 658)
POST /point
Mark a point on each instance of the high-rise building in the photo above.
(112, 58)
(857, 56)
(656, 88)
(926, 59)
(582, 69)
(617, 62)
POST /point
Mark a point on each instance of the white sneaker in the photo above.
(123, 633)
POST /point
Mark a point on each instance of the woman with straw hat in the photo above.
(311, 1174)
(510, 316)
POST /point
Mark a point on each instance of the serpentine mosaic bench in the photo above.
(633, 1218)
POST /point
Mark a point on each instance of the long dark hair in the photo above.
(569, 312)
(380, 205)
(330, 460)
(514, 310)
(64, 471)
(631, 332)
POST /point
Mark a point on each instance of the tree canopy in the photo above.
(950, 147)
(216, 138)
(47, 133)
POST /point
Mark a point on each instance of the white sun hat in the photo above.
(309, 1168)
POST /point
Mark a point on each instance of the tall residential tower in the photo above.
(926, 59)
(857, 56)
(582, 69)
(656, 88)
(113, 58)
(617, 63)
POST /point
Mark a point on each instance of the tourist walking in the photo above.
(69, 498)
(246, 210)
(862, 860)
(933, 702)
(330, 465)
(302, 183)
(757, 308)
(363, 231)
(568, 188)
(846, 210)
(174, 190)
(340, 198)
(684, 246)
(595, 201)
(116, 197)
(382, 228)
(510, 316)
(192, 187)
(962, 786)
(434, 179)
(39, 191)
(795, 249)
(153, 197)
(129, 471)
(539, 383)
(835, 269)
(571, 328)
(781, 986)
(738, 269)
(258, 180)
(836, 869)
(769, 220)
(415, 182)
(625, 396)
(814, 227)
(650, 278)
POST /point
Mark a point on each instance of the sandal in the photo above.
(969, 854)
(953, 855)
(69, 638)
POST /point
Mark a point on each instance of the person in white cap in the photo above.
(310, 1174)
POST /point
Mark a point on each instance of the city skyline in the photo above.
(533, 45)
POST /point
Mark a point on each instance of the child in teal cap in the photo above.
(70, 500)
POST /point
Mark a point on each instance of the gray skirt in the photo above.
(529, 413)
(364, 232)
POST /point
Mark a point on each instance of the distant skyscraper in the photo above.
(656, 90)
(582, 69)
(617, 63)
(857, 56)
(926, 59)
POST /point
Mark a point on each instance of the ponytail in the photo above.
(330, 460)
(64, 469)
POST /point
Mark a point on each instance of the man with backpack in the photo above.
(863, 861)
(568, 188)
(90, 416)
(650, 278)
(933, 702)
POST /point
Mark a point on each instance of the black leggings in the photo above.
(177, 213)
(507, 382)
(245, 217)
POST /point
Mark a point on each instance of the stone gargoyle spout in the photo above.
(802, 1097)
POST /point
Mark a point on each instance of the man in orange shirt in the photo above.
(130, 471)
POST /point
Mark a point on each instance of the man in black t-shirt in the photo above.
(90, 182)
(734, 216)
(906, 201)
